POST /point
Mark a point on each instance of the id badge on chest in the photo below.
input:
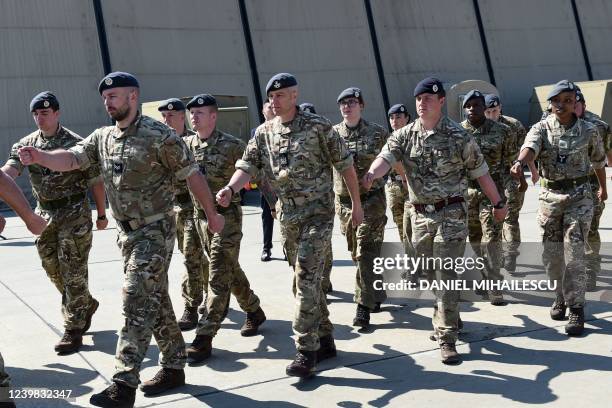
(563, 152)
(118, 167)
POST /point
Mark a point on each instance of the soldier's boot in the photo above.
(434, 337)
(71, 342)
(200, 349)
(362, 317)
(510, 263)
(449, 354)
(557, 310)
(328, 288)
(116, 396)
(90, 312)
(189, 320)
(165, 379)
(252, 323)
(303, 365)
(496, 298)
(327, 349)
(575, 326)
(376, 308)
(591, 284)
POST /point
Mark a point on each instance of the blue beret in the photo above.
(398, 108)
(308, 107)
(492, 100)
(474, 93)
(280, 81)
(351, 92)
(117, 80)
(44, 100)
(429, 85)
(172, 104)
(201, 100)
(561, 86)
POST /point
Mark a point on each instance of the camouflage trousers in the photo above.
(226, 277)
(4, 377)
(485, 233)
(365, 243)
(63, 248)
(592, 257)
(396, 198)
(512, 229)
(147, 307)
(326, 284)
(564, 221)
(440, 235)
(195, 279)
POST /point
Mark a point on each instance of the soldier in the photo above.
(396, 188)
(364, 141)
(592, 257)
(140, 158)
(438, 156)
(515, 194)
(10, 193)
(195, 279)
(62, 200)
(497, 143)
(216, 152)
(296, 151)
(268, 212)
(566, 147)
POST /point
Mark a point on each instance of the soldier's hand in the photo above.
(500, 214)
(101, 223)
(356, 215)
(28, 155)
(601, 194)
(273, 212)
(216, 223)
(516, 171)
(367, 180)
(2, 224)
(535, 176)
(224, 197)
(36, 224)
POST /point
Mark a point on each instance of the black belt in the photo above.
(346, 199)
(184, 198)
(438, 205)
(61, 202)
(564, 184)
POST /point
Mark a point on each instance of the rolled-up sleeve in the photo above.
(86, 151)
(533, 140)
(393, 151)
(251, 158)
(597, 153)
(13, 159)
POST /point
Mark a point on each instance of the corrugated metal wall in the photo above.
(182, 47)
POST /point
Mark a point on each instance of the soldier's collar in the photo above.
(131, 129)
(57, 133)
(362, 122)
(212, 139)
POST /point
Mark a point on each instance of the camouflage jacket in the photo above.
(602, 127)
(364, 142)
(216, 157)
(48, 185)
(297, 159)
(497, 144)
(518, 129)
(180, 186)
(438, 162)
(139, 165)
(565, 153)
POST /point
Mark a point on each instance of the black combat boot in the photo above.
(252, 323)
(558, 308)
(575, 326)
(115, 396)
(449, 353)
(327, 348)
(362, 317)
(71, 342)
(200, 349)
(165, 379)
(303, 365)
(376, 308)
(90, 312)
(189, 320)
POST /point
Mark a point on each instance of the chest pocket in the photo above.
(491, 148)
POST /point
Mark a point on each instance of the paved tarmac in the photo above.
(512, 355)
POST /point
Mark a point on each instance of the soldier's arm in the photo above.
(350, 178)
(239, 179)
(12, 195)
(388, 157)
(10, 171)
(99, 195)
(58, 160)
(598, 158)
(199, 187)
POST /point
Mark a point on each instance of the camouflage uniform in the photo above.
(139, 166)
(396, 200)
(566, 204)
(216, 157)
(195, 280)
(592, 257)
(497, 144)
(364, 142)
(297, 159)
(512, 229)
(438, 163)
(64, 245)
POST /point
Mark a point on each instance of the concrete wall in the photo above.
(596, 20)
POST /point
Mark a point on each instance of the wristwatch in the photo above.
(500, 204)
(102, 217)
(517, 161)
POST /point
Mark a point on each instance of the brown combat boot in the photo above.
(575, 326)
(200, 349)
(70, 342)
(303, 365)
(165, 379)
(92, 309)
(558, 308)
(252, 323)
(115, 396)
(449, 353)
(327, 348)
(496, 298)
(189, 320)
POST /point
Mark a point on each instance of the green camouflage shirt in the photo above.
(180, 186)
(138, 165)
(602, 127)
(518, 129)
(438, 162)
(565, 153)
(297, 159)
(364, 142)
(48, 185)
(216, 157)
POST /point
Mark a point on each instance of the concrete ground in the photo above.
(512, 355)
